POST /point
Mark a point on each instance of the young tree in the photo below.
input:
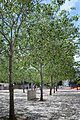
(13, 15)
(61, 48)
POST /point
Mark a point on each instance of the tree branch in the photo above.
(20, 25)
(3, 34)
(18, 15)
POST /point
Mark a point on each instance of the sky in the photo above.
(69, 4)
(72, 3)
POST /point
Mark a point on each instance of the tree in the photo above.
(13, 15)
(37, 54)
(38, 35)
(61, 48)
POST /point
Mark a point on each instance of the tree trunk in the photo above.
(23, 88)
(50, 90)
(11, 107)
(11, 89)
(54, 88)
(51, 85)
(41, 87)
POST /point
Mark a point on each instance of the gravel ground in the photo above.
(63, 105)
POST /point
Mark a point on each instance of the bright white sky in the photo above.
(69, 4)
(77, 58)
(72, 3)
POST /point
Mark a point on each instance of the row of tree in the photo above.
(36, 43)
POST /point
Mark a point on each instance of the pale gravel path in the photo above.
(63, 105)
